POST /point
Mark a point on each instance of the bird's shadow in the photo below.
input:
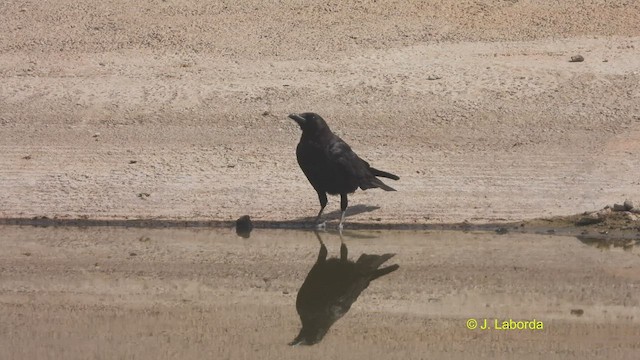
(335, 215)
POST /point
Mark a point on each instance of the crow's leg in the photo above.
(344, 202)
(322, 196)
(318, 237)
(343, 249)
(322, 255)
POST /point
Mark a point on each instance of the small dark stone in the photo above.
(577, 312)
(628, 205)
(28, 157)
(133, 161)
(618, 207)
(577, 58)
(143, 195)
(133, 254)
(244, 226)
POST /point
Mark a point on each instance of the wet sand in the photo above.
(104, 293)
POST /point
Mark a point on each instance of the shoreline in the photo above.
(612, 228)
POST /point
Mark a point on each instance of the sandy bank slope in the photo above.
(101, 104)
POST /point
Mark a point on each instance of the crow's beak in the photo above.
(299, 119)
(299, 342)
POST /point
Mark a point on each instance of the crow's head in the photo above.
(310, 123)
(310, 335)
(317, 319)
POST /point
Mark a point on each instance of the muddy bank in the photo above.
(602, 224)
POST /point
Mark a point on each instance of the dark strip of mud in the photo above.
(260, 224)
(565, 226)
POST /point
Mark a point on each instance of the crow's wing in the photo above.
(355, 169)
(340, 154)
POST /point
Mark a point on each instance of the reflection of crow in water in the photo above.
(331, 287)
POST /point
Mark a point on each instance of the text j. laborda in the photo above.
(504, 324)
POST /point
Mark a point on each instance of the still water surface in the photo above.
(191, 293)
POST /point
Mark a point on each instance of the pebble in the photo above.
(618, 207)
(603, 213)
(628, 205)
(577, 312)
(577, 58)
(244, 226)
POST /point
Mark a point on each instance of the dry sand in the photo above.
(197, 93)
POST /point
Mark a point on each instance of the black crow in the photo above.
(331, 287)
(330, 164)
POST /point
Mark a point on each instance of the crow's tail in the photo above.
(384, 174)
(374, 182)
(370, 263)
(384, 271)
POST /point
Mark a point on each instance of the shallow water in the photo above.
(105, 292)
